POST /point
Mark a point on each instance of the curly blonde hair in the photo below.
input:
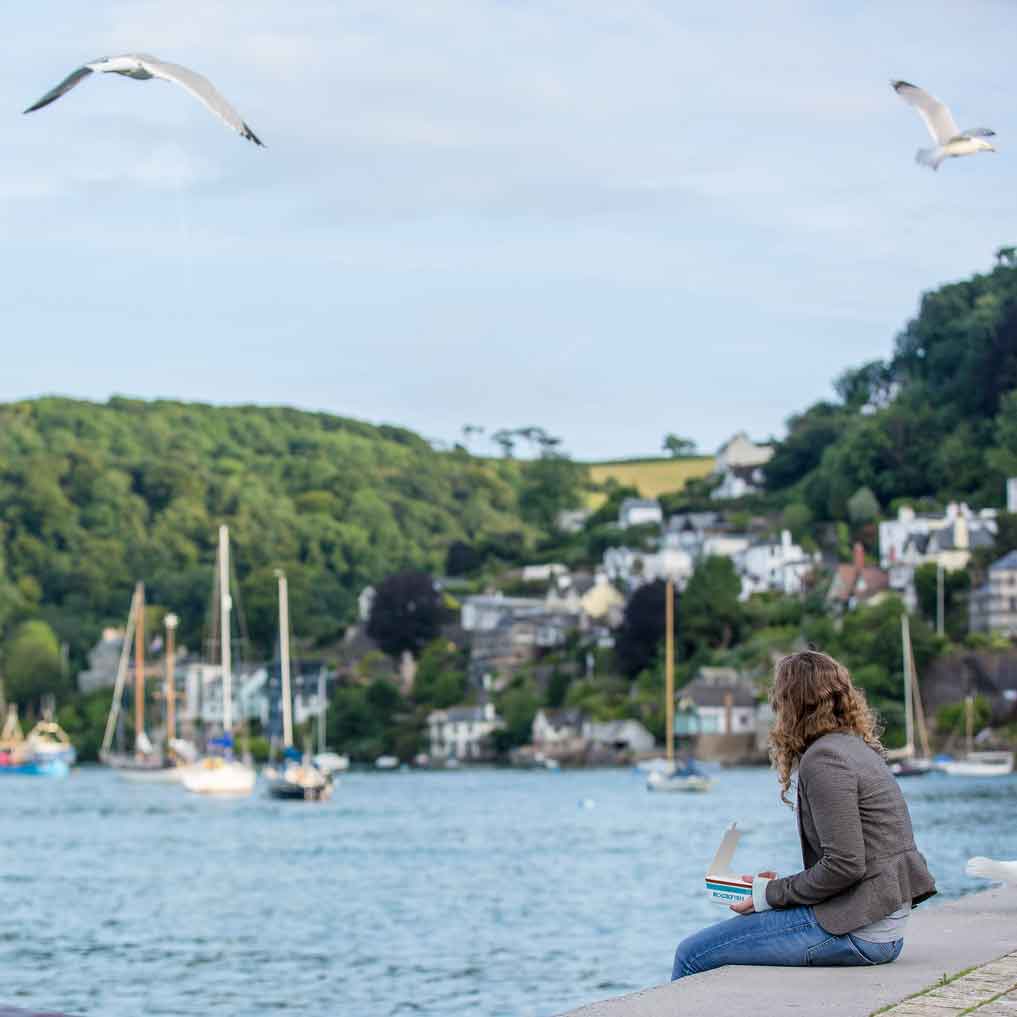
(813, 695)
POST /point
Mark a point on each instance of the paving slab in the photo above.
(941, 941)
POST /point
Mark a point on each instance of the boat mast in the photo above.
(170, 622)
(139, 670)
(284, 658)
(916, 703)
(909, 720)
(121, 680)
(224, 629)
(669, 668)
(322, 709)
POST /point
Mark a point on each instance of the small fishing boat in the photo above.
(17, 757)
(48, 742)
(684, 777)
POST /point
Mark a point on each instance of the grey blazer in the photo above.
(861, 863)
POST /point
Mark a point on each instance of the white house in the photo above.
(640, 512)
(620, 736)
(726, 545)
(558, 729)
(463, 732)
(203, 695)
(739, 464)
(723, 702)
(632, 568)
(487, 611)
(993, 607)
(946, 538)
(103, 662)
(782, 567)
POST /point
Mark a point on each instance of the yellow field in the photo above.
(651, 477)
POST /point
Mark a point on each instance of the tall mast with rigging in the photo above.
(139, 670)
(224, 629)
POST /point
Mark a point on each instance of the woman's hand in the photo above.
(745, 907)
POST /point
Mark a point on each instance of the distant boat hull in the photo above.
(980, 764)
(37, 768)
(219, 777)
(913, 767)
(659, 781)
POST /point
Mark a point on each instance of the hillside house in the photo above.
(718, 701)
(103, 661)
(739, 464)
(782, 567)
(640, 512)
(559, 731)
(993, 606)
(857, 583)
(463, 732)
(619, 736)
(946, 538)
(631, 568)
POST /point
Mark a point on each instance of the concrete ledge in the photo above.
(941, 940)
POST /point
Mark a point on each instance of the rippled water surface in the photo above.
(476, 892)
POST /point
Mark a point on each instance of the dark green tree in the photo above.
(406, 614)
(641, 634)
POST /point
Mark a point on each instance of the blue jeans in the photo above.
(789, 936)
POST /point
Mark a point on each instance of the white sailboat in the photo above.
(905, 762)
(977, 764)
(296, 779)
(687, 777)
(222, 774)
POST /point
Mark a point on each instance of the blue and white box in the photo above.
(722, 885)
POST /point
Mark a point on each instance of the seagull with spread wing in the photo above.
(950, 141)
(142, 67)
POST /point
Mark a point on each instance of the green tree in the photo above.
(863, 507)
(677, 446)
(33, 665)
(711, 615)
(517, 706)
(440, 680)
(956, 585)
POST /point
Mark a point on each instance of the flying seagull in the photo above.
(950, 141)
(142, 67)
(986, 868)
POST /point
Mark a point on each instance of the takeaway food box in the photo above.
(722, 885)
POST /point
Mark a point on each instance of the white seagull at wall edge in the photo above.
(142, 67)
(986, 868)
(951, 142)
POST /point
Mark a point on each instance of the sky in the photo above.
(613, 221)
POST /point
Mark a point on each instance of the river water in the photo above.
(484, 893)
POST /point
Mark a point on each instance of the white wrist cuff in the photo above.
(759, 902)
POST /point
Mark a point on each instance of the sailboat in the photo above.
(222, 774)
(298, 779)
(977, 764)
(905, 762)
(688, 776)
(146, 763)
(145, 757)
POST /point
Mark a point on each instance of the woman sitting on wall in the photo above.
(863, 873)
